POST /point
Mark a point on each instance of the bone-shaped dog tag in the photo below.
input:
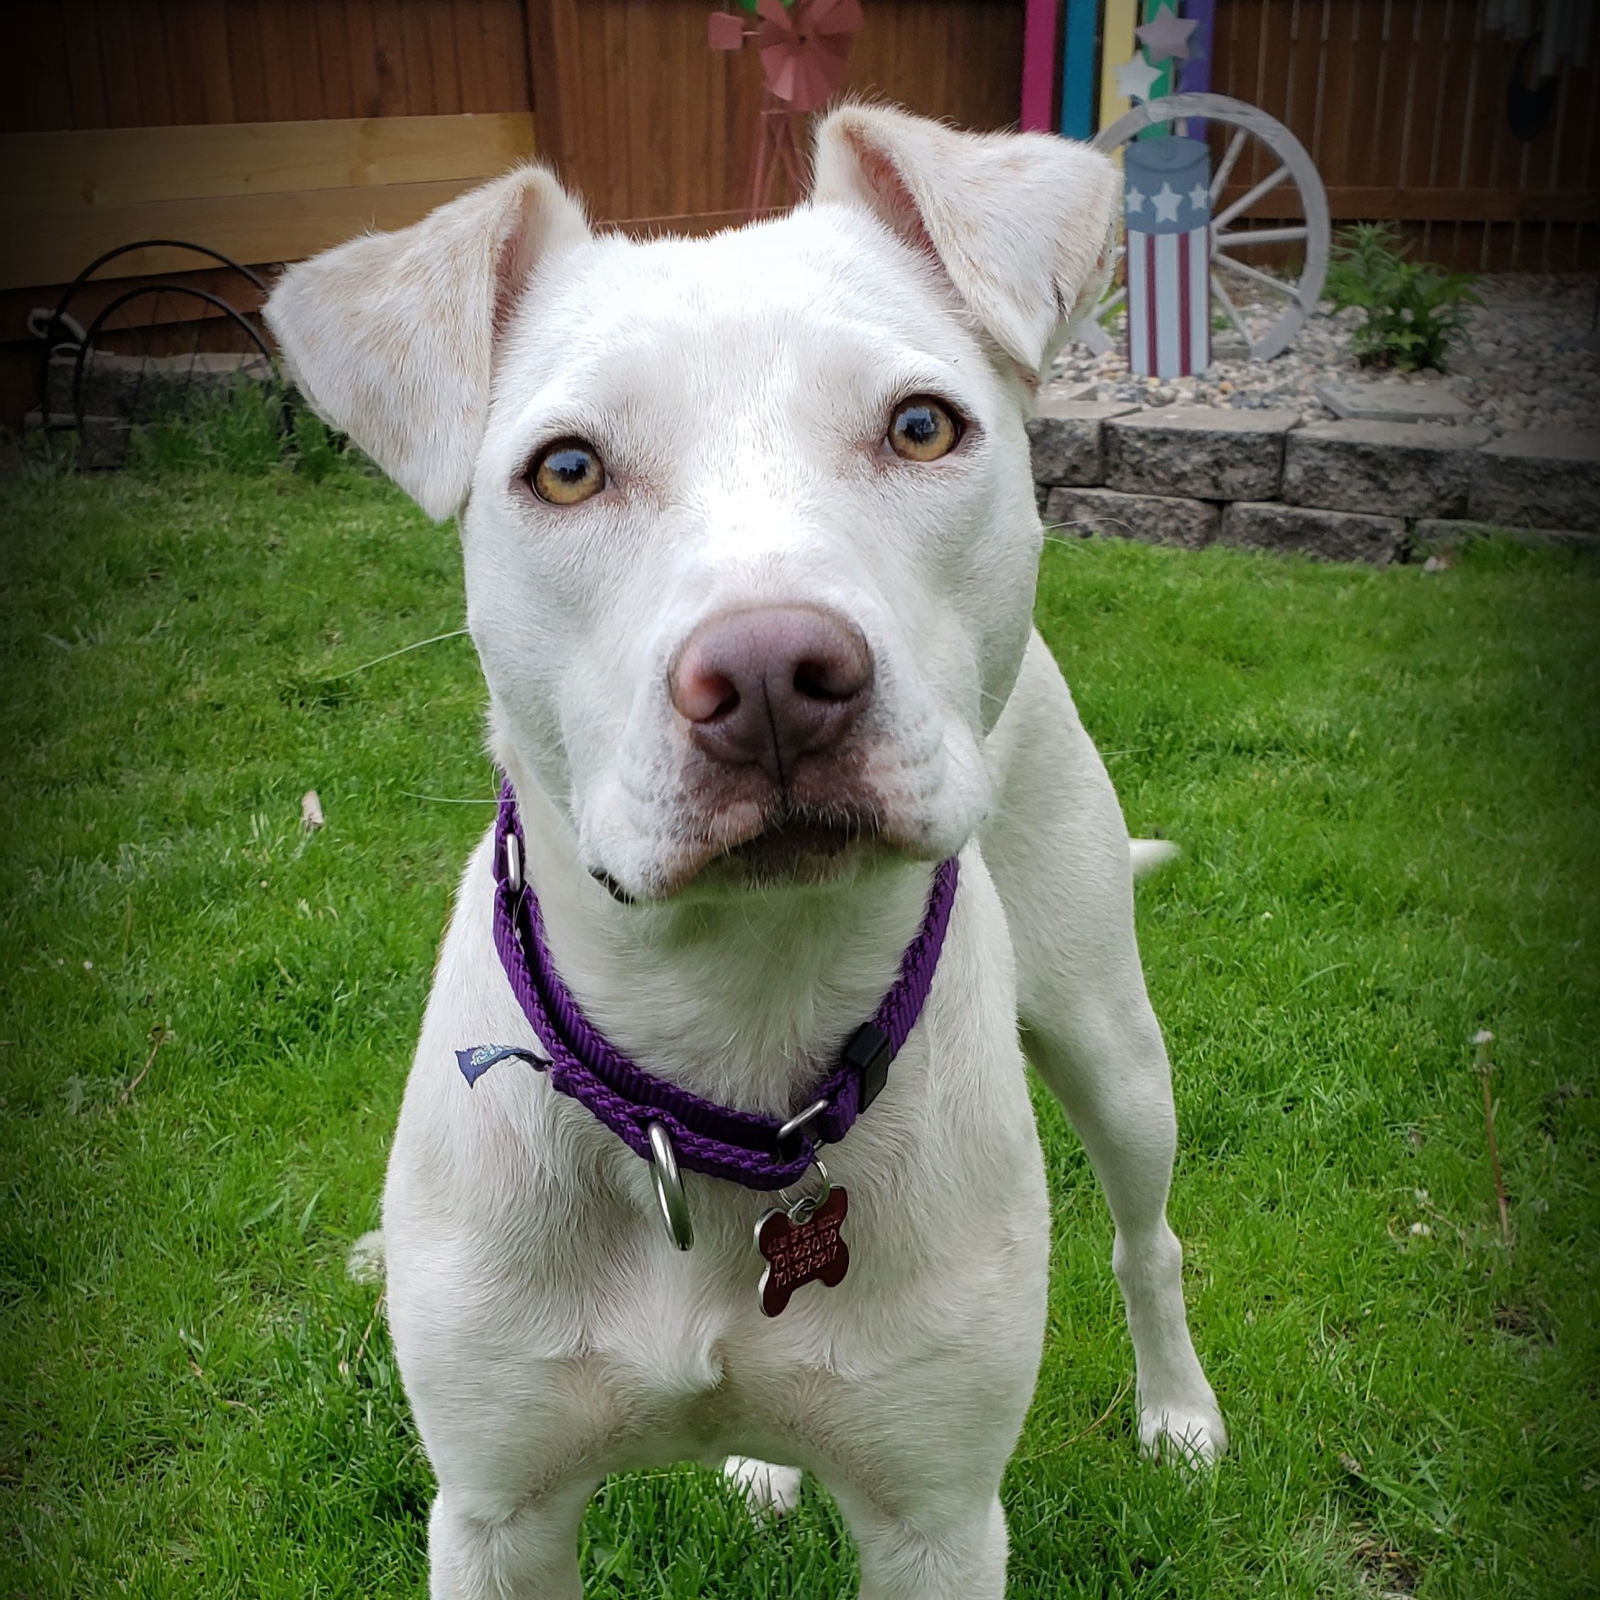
(800, 1251)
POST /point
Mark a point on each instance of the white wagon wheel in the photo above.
(1294, 165)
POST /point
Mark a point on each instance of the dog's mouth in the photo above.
(800, 846)
(788, 846)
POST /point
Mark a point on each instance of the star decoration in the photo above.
(1135, 199)
(1166, 200)
(1199, 197)
(1136, 78)
(1167, 37)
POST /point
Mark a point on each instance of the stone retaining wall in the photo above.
(1341, 491)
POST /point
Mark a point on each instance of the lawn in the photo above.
(1385, 786)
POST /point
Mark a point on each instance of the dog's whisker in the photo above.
(405, 649)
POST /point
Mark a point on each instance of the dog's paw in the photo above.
(769, 1491)
(1190, 1435)
(365, 1260)
(1148, 854)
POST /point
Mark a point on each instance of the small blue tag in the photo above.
(477, 1061)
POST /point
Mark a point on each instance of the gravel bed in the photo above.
(1528, 358)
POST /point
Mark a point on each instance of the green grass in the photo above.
(1385, 786)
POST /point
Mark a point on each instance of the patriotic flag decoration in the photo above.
(1167, 201)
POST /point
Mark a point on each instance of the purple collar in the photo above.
(758, 1152)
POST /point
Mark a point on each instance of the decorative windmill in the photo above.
(803, 47)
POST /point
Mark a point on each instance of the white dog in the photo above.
(750, 546)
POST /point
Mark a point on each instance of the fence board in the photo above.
(149, 63)
(250, 228)
(52, 172)
(259, 192)
(1387, 203)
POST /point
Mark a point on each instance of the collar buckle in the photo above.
(868, 1053)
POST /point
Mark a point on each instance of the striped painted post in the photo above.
(1167, 204)
(1163, 85)
(1080, 68)
(1116, 46)
(1039, 66)
(1194, 74)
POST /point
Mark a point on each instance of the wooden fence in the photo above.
(371, 99)
(655, 129)
(1401, 103)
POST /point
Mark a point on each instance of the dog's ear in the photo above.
(392, 336)
(1021, 224)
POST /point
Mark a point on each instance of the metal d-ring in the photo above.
(803, 1209)
(513, 864)
(798, 1121)
(668, 1180)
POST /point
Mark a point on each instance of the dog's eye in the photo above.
(566, 472)
(923, 429)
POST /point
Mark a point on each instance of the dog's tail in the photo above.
(365, 1260)
(1148, 854)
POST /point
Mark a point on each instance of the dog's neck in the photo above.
(744, 1000)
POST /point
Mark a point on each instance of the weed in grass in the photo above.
(235, 429)
(1384, 784)
(250, 429)
(318, 451)
(42, 454)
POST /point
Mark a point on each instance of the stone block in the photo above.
(1429, 534)
(1540, 478)
(102, 442)
(1391, 402)
(1198, 451)
(1150, 518)
(1063, 391)
(1066, 440)
(1403, 469)
(146, 386)
(1325, 535)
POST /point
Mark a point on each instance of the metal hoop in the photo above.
(803, 1209)
(796, 1123)
(668, 1180)
(513, 864)
(146, 291)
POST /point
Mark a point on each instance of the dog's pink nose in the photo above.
(769, 685)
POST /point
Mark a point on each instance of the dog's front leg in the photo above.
(530, 1553)
(960, 1554)
(1058, 850)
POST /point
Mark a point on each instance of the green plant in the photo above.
(1413, 309)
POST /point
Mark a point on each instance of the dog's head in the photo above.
(749, 523)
